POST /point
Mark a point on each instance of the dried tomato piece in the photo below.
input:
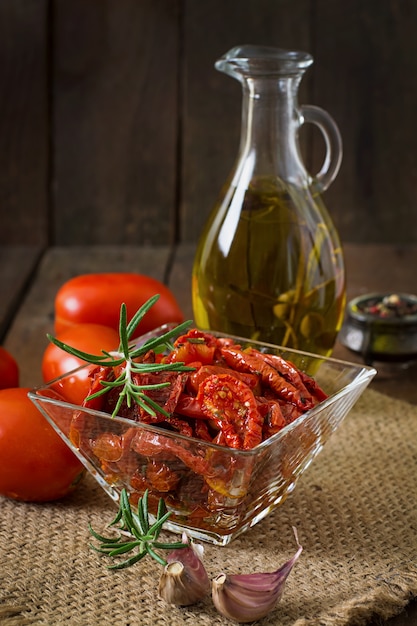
(230, 403)
(203, 372)
(229, 478)
(107, 447)
(191, 351)
(196, 345)
(197, 334)
(242, 361)
(166, 397)
(313, 387)
(290, 412)
(154, 445)
(189, 406)
(97, 375)
(285, 369)
(149, 444)
(274, 420)
(161, 477)
(139, 484)
(201, 430)
(182, 426)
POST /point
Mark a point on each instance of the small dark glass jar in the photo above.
(382, 327)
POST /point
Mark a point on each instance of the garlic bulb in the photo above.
(249, 597)
(184, 580)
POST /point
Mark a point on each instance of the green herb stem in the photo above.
(143, 537)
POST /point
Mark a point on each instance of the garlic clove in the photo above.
(248, 597)
(184, 580)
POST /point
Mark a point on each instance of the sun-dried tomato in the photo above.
(181, 426)
(243, 361)
(97, 375)
(107, 447)
(230, 403)
(313, 387)
(191, 351)
(285, 369)
(201, 430)
(149, 444)
(274, 419)
(165, 448)
(199, 375)
(233, 398)
(189, 406)
(166, 397)
(196, 345)
(161, 477)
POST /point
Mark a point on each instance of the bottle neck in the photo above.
(270, 123)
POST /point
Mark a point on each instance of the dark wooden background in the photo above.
(115, 128)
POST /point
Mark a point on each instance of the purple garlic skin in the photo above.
(246, 598)
(184, 580)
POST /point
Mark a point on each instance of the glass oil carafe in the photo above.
(269, 264)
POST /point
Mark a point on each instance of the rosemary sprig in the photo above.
(128, 354)
(143, 536)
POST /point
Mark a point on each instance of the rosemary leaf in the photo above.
(129, 562)
(155, 555)
(101, 538)
(95, 359)
(155, 342)
(123, 548)
(139, 315)
(143, 512)
(124, 342)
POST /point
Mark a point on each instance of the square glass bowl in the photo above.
(213, 492)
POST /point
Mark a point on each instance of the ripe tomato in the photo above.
(9, 370)
(96, 299)
(91, 338)
(35, 463)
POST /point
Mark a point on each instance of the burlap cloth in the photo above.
(355, 511)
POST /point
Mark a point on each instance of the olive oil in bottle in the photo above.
(271, 274)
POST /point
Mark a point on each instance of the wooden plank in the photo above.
(27, 339)
(17, 264)
(212, 101)
(115, 121)
(23, 122)
(366, 61)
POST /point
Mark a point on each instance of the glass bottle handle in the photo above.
(333, 140)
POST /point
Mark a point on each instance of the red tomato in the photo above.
(35, 463)
(9, 370)
(91, 338)
(96, 299)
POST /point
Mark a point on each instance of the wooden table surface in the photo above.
(30, 278)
